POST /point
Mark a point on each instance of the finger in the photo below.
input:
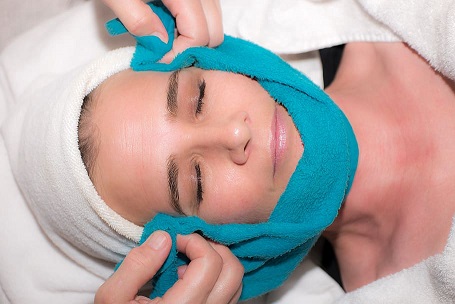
(143, 300)
(204, 26)
(212, 12)
(206, 30)
(138, 267)
(138, 18)
(181, 271)
(229, 284)
(235, 299)
(191, 25)
(201, 274)
(190, 19)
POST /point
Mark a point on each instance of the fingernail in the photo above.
(181, 271)
(157, 240)
(160, 36)
(142, 300)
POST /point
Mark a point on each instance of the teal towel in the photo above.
(269, 251)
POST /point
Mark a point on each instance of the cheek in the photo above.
(239, 202)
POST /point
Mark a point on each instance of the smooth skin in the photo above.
(214, 274)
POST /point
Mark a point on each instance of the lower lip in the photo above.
(279, 142)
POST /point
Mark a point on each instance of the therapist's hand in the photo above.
(214, 274)
(199, 22)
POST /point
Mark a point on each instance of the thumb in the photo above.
(138, 267)
(138, 18)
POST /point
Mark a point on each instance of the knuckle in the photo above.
(215, 260)
(194, 238)
(138, 24)
(235, 267)
(136, 258)
(216, 39)
(199, 36)
(198, 41)
(236, 297)
(157, 300)
(103, 295)
(238, 270)
(236, 264)
(231, 262)
(203, 38)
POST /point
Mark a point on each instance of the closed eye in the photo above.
(200, 190)
(200, 100)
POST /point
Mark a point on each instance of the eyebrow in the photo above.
(172, 179)
(173, 86)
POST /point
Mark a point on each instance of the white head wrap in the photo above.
(42, 141)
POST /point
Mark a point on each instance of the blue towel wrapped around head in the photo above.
(271, 250)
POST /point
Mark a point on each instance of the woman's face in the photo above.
(194, 142)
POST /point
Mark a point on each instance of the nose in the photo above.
(230, 134)
(236, 137)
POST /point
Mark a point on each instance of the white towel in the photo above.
(41, 137)
(33, 268)
(40, 134)
(297, 26)
(428, 26)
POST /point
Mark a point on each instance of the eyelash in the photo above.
(200, 100)
(199, 191)
(199, 107)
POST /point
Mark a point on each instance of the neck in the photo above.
(399, 209)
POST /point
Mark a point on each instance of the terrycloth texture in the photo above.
(297, 26)
(42, 141)
(428, 26)
(33, 268)
(149, 49)
(268, 251)
(307, 284)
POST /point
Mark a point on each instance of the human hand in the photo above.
(214, 274)
(198, 22)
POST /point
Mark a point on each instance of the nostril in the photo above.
(246, 149)
(247, 144)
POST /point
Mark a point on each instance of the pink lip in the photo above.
(279, 138)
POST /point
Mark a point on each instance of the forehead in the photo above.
(124, 114)
(128, 82)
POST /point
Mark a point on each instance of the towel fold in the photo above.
(41, 136)
(436, 42)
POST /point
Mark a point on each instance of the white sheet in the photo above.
(32, 269)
